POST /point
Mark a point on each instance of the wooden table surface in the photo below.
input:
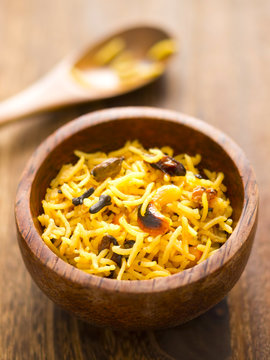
(221, 75)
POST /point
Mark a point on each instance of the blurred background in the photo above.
(221, 75)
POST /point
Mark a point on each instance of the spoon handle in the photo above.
(50, 92)
(27, 102)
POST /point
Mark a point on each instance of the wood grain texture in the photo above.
(222, 76)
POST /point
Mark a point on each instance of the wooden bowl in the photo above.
(156, 303)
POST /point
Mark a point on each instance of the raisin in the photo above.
(170, 166)
(199, 190)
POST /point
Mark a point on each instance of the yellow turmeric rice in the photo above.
(135, 214)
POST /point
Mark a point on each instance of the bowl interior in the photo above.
(111, 135)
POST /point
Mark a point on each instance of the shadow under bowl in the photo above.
(156, 303)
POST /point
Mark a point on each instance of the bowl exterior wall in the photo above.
(152, 310)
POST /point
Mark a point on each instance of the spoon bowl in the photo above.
(81, 78)
(104, 80)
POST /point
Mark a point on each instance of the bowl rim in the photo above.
(40, 250)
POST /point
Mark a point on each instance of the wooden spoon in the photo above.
(81, 78)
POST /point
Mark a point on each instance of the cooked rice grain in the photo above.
(74, 234)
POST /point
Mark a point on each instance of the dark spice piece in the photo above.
(117, 258)
(112, 239)
(210, 209)
(170, 166)
(108, 168)
(106, 242)
(79, 200)
(109, 212)
(111, 275)
(129, 244)
(60, 191)
(104, 200)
